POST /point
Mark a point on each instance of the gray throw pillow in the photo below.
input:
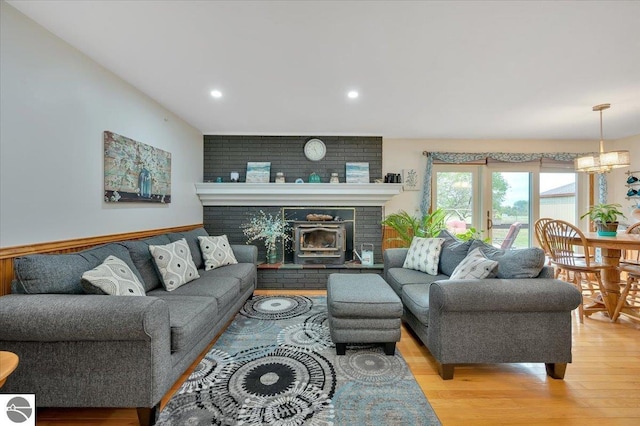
(175, 264)
(452, 253)
(113, 277)
(474, 267)
(216, 252)
(517, 263)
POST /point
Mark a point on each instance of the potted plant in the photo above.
(408, 226)
(269, 228)
(605, 217)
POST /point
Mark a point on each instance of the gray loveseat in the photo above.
(86, 350)
(520, 315)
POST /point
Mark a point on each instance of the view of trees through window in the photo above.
(510, 203)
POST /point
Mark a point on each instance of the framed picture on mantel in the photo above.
(357, 172)
(258, 172)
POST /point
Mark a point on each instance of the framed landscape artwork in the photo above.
(258, 172)
(357, 172)
(135, 172)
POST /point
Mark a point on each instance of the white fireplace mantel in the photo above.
(296, 194)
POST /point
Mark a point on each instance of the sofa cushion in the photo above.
(474, 266)
(190, 318)
(216, 252)
(62, 273)
(452, 253)
(415, 298)
(225, 290)
(517, 263)
(112, 277)
(174, 263)
(245, 272)
(194, 245)
(424, 254)
(142, 259)
(397, 278)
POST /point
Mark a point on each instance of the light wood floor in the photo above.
(601, 386)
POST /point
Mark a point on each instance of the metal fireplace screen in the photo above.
(319, 242)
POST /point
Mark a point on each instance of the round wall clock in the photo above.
(315, 149)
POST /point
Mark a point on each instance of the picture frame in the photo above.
(357, 172)
(410, 180)
(134, 171)
(258, 171)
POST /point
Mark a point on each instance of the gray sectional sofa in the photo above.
(88, 350)
(520, 314)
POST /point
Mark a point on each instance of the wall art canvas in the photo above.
(258, 172)
(357, 172)
(410, 180)
(135, 172)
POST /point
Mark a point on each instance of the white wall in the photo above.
(398, 154)
(617, 179)
(55, 104)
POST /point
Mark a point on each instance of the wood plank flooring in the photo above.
(601, 386)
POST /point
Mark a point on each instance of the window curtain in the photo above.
(461, 158)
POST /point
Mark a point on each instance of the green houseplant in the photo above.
(605, 217)
(408, 226)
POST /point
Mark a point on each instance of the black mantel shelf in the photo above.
(296, 194)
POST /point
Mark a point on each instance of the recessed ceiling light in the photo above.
(216, 94)
(352, 94)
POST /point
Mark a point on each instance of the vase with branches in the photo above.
(269, 228)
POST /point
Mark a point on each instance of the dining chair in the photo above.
(538, 229)
(510, 238)
(630, 264)
(560, 238)
(631, 257)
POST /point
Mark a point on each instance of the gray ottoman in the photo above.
(362, 308)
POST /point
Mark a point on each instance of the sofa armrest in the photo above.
(546, 272)
(502, 295)
(245, 253)
(57, 317)
(394, 257)
(103, 351)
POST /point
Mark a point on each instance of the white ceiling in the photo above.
(456, 69)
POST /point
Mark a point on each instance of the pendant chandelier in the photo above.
(604, 161)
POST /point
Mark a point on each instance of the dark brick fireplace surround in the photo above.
(224, 154)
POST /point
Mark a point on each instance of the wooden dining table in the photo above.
(611, 249)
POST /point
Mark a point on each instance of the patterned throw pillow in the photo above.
(113, 277)
(216, 252)
(424, 254)
(474, 266)
(175, 264)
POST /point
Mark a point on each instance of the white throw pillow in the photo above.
(175, 264)
(424, 254)
(114, 277)
(216, 252)
(474, 266)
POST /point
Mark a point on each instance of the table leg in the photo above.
(611, 278)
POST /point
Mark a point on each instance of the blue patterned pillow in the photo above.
(424, 254)
(474, 266)
(175, 264)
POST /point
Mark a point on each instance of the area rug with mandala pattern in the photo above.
(276, 365)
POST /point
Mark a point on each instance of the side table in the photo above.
(8, 363)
